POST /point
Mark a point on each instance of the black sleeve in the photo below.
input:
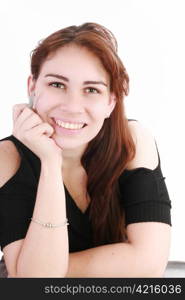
(144, 196)
(17, 198)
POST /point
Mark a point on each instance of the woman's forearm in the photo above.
(113, 260)
(45, 251)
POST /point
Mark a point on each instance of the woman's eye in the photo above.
(93, 90)
(56, 84)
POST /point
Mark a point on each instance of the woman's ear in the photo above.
(30, 85)
(31, 91)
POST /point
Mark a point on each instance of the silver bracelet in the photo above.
(50, 225)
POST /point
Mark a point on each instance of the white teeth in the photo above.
(69, 125)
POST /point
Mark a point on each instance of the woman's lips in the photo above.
(68, 121)
(66, 131)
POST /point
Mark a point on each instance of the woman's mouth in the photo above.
(68, 127)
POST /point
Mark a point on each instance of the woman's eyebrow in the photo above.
(67, 79)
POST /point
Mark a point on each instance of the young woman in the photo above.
(82, 192)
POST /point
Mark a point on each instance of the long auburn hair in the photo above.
(109, 152)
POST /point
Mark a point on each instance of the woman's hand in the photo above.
(30, 129)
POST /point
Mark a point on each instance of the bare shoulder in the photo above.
(146, 151)
(9, 161)
(9, 164)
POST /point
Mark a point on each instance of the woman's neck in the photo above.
(72, 157)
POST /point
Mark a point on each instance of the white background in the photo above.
(150, 36)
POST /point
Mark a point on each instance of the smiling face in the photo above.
(73, 88)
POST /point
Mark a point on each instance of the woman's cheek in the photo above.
(41, 108)
(100, 111)
(43, 101)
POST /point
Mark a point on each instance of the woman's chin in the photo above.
(63, 144)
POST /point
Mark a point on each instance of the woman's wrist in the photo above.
(55, 160)
(48, 165)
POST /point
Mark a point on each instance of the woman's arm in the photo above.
(44, 252)
(145, 255)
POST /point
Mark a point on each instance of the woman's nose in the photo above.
(72, 102)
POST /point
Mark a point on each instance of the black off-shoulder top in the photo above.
(144, 198)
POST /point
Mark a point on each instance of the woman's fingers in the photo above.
(44, 128)
(24, 119)
(23, 114)
(34, 132)
(17, 110)
(27, 123)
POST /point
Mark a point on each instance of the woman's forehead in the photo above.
(71, 61)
